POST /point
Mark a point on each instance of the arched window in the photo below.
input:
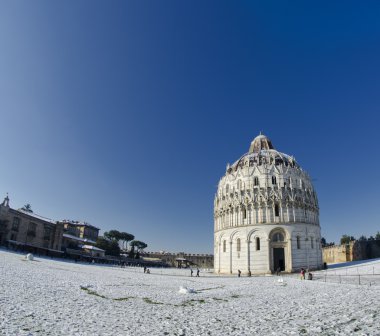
(238, 245)
(278, 237)
(274, 180)
(298, 243)
(257, 244)
(256, 181)
(276, 210)
(224, 246)
(244, 213)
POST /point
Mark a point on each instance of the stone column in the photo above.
(289, 264)
(269, 254)
(294, 214)
(219, 244)
(248, 255)
(231, 256)
(287, 213)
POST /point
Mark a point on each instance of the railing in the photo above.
(354, 279)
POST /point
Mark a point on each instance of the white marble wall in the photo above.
(309, 255)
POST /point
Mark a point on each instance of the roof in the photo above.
(83, 240)
(259, 143)
(39, 217)
(90, 247)
(262, 152)
(78, 223)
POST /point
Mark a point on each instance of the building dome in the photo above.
(266, 214)
(259, 143)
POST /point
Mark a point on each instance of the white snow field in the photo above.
(51, 297)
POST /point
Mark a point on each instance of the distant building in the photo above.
(355, 250)
(23, 229)
(266, 214)
(93, 251)
(181, 259)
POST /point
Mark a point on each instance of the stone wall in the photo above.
(355, 250)
(301, 244)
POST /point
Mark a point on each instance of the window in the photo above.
(32, 229)
(239, 184)
(256, 181)
(227, 188)
(224, 246)
(298, 243)
(47, 232)
(274, 180)
(15, 224)
(14, 236)
(238, 247)
(312, 242)
(257, 244)
(276, 210)
(244, 213)
(278, 237)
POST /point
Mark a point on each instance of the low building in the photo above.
(78, 233)
(23, 229)
(93, 251)
(355, 250)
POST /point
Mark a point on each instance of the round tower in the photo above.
(266, 214)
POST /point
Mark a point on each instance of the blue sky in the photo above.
(125, 113)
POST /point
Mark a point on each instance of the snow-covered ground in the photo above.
(50, 297)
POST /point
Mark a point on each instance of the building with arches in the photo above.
(266, 214)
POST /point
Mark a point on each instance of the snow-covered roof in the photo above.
(79, 223)
(84, 240)
(32, 214)
(90, 247)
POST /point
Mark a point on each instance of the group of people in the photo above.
(146, 270)
(278, 272)
(303, 274)
(192, 272)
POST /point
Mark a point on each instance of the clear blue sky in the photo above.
(125, 113)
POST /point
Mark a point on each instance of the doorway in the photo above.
(279, 259)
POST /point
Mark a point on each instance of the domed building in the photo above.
(266, 214)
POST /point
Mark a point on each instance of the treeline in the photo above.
(110, 242)
(346, 239)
